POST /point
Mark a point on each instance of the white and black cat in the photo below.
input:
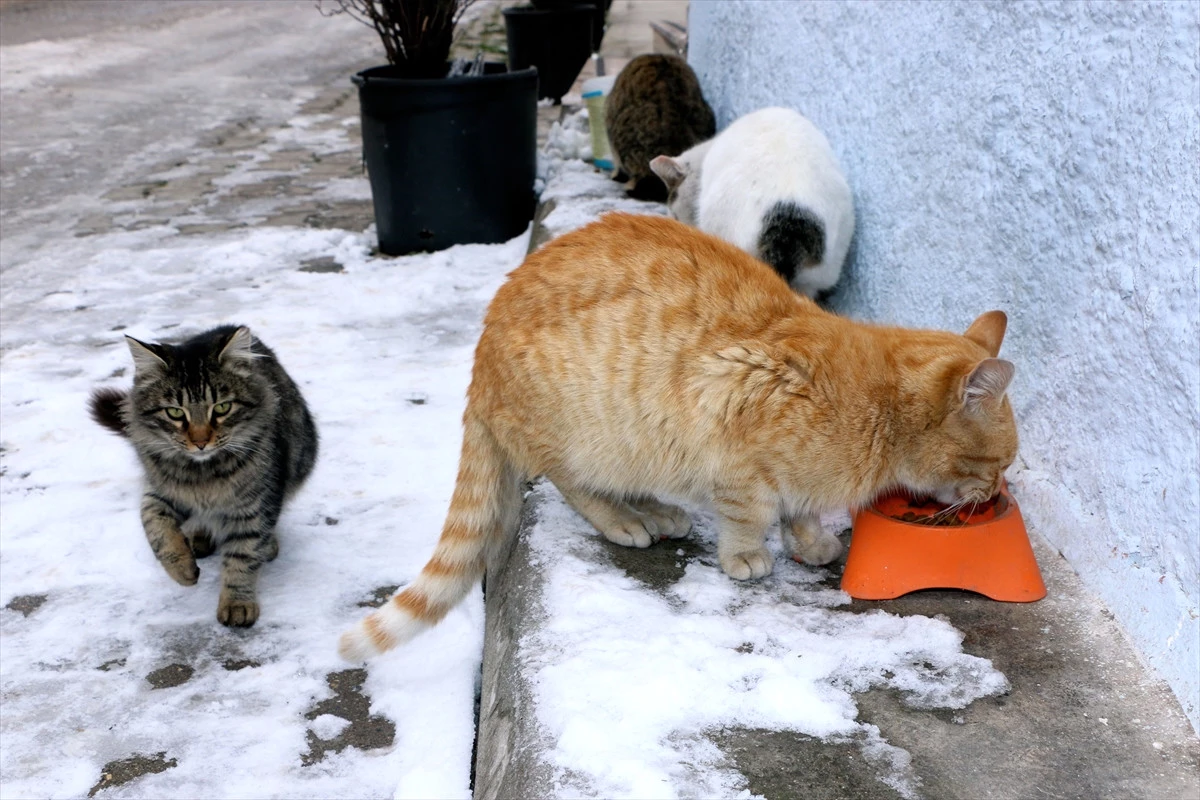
(225, 438)
(770, 184)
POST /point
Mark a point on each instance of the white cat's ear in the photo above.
(988, 381)
(240, 345)
(669, 170)
(988, 331)
(144, 357)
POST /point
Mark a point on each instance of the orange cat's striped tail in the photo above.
(484, 511)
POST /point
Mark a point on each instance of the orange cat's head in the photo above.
(961, 435)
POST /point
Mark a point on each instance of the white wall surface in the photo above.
(1045, 160)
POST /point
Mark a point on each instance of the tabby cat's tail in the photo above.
(484, 511)
(108, 409)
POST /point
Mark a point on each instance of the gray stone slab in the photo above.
(509, 743)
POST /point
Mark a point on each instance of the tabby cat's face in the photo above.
(196, 399)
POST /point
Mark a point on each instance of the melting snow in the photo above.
(629, 681)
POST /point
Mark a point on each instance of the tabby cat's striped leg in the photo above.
(268, 546)
(805, 540)
(742, 522)
(161, 521)
(241, 556)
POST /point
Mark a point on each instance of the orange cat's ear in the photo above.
(987, 382)
(988, 331)
(671, 171)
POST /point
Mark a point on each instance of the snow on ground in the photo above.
(630, 682)
(382, 351)
(28, 65)
(119, 661)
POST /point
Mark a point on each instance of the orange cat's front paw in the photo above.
(747, 565)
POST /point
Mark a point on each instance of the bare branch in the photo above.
(416, 34)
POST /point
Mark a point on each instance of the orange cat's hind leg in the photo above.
(618, 521)
(805, 540)
(671, 522)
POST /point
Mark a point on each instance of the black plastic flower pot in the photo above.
(601, 9)
(556, 41)
(451, 160)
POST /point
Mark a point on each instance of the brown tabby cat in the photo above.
(638, 357)
(655, 108)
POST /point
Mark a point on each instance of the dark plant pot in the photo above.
(558, 42)
(598, 15)
(451, 160)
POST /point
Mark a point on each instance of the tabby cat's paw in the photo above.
(824, 550)
(182, 568)
(630, 533)
(747, 565)
(239, 613)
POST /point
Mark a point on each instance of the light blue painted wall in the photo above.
(1043, 159)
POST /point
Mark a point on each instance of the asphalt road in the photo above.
(24, 21)
(98, 93)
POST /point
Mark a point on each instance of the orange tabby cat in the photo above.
(639, 358)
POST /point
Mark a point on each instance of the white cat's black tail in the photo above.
(792, 238)
(484, 511)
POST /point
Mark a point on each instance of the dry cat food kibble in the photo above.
(929, 512)
(942, 520)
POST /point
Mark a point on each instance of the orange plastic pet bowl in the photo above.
(986, 552)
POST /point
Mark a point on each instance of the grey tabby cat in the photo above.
(225, 438)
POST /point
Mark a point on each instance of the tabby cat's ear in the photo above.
(239, 345)
(145, 359)
(669, 170)
(988, 331)
(987, 382)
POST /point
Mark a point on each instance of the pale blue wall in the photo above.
(1043, 159)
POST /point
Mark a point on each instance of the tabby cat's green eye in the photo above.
(175, 413)
(222, 408)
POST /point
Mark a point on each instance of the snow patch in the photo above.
(35, 63)
(629, 681)
(359, 343)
